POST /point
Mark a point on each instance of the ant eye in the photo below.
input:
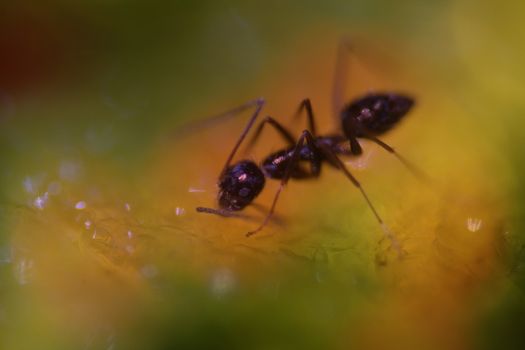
(244, 192)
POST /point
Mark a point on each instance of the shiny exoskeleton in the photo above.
(239, 186)
(366, 117)
(372, 115)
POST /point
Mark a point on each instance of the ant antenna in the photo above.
(257, 102)
(340, 76)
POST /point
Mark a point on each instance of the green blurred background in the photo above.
(91, 96)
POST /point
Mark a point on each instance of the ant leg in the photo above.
(288, 172)
(418, 173)
(335, 159)
(259, 103)
(287, 136)
(340, 77)
(306, 104)
(215, 119)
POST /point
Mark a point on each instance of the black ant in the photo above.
(366, 117)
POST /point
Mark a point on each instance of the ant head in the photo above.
(375, 113)
(240, 184)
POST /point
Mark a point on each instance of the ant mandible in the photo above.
(366, 117)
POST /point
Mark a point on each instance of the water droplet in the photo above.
(80, 205)
(474, 224)
(41, 201)
(195, 190)
(222, 282)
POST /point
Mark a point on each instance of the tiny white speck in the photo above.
(195, 190)
(127, 206)
(87, 224)
(222, 282)
(179, 211)
(130, 234)
(474, 224)
(80, 205)
(40, 201)
(94, 235)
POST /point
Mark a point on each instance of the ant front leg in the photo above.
(329, 154)
(306, 135)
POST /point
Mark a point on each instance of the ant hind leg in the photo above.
(335, 159)
(418, 173)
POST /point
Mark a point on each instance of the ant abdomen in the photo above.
(239, 185)
(374, 113)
